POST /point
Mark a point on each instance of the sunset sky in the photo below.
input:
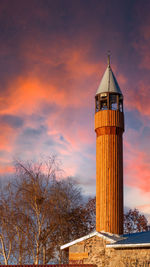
(53, 54)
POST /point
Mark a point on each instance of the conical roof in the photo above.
(108, 83)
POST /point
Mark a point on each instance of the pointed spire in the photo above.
(108, 57)
(108, 82)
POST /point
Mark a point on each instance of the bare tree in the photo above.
(39, 213)
(135, 222)
(49, 211)
(6, 226)
(68, 211)
(33, 195)
(91, 213)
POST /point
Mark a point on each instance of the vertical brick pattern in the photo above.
(109, 171)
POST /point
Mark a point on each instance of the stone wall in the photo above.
(94, 251)
(139, 257)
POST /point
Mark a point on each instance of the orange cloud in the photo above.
(6, 169)
(27, 92)
(7, 137)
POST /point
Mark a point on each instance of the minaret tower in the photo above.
(109, 128)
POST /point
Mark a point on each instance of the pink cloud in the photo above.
(137, 167)
(70, 88)
(28, 93)
(6, 169)
(138, 98)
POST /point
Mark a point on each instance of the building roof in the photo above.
(141, 239)
(107, 236)
(108, 83)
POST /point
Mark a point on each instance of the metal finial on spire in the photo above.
(108, 57)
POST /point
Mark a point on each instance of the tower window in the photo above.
(113, 102)
(104, 105)
(120, 106)
(103, 102)
(121, 103)
(96, 104)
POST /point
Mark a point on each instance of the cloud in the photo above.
(12, 121)
(135, 198)
(52, 59)
(6, 169)
(7, 137)
(139, 97)
(133, 120)
(137, 168)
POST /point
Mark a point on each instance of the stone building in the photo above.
(110, 250)
(107, 246)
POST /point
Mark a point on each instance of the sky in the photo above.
(52, 58)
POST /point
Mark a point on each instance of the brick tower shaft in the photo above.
(109, 127)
